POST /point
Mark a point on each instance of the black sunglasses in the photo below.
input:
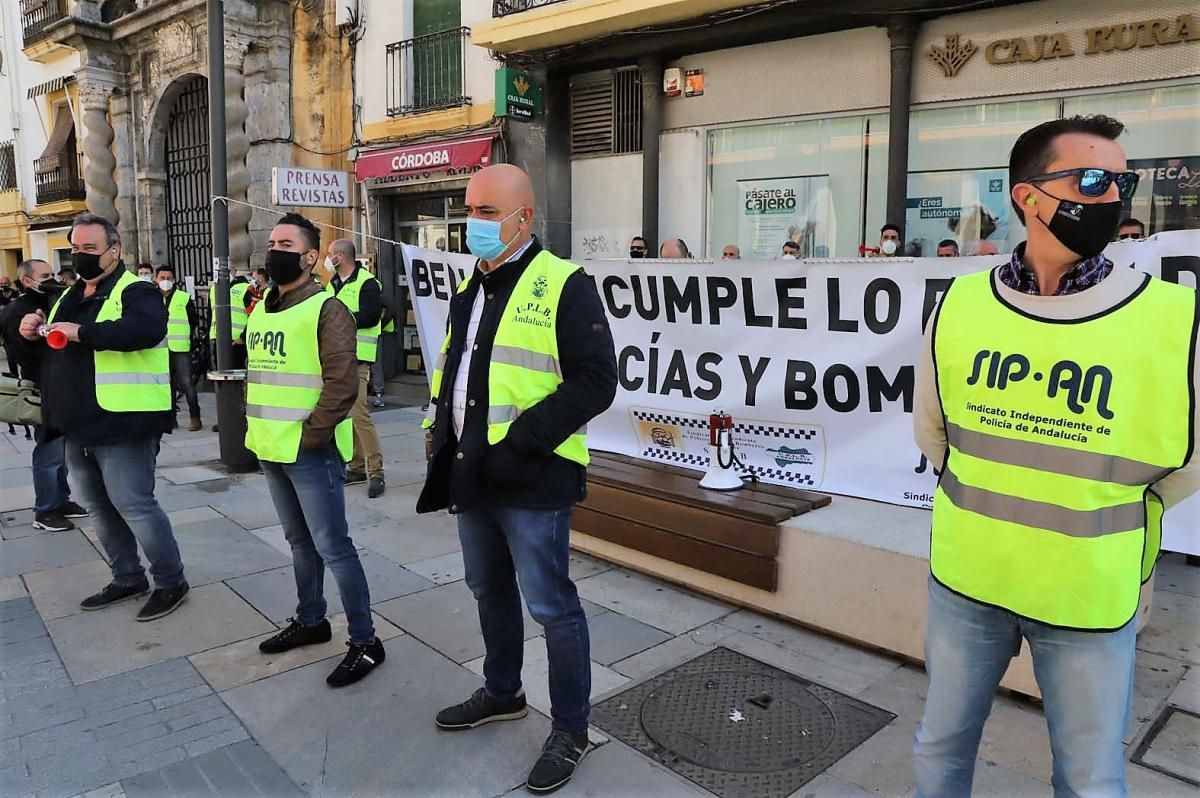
(1095, 182)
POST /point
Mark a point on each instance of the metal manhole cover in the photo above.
(738, 727)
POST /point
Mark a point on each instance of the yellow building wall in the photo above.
(322, 104)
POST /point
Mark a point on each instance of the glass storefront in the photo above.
(823, 182)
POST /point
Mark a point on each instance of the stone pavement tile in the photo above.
(535, 672)
(1146, 783)
(1186, 694)
(12, 587)
(651, 602)
(1172, 630)
(273, 593)
(40, 552)
(377, 737)
(802, 665)
(58, 591)
(1016, 736)
(251, 514)
(1176, 576)
(813, 644)
(617, 771)
(400, 427)
(1176, 747)
(213, 615)
(107, 791)
(16, 477)
(213, 551)
(410, 539)
(404, 472)
(997, 781)
(615, 637)
(16, 498)
(445, 618)
(182, 497)
(13, 518)
(28, 661)
(273, 536)
(241, 663)
(400, 502)
(27, 530)
(242, 769)
(193, 515)
(440, 570)
(826, 786)
(1154, 679)
(191, 474)
(582, 566)
(662, 657)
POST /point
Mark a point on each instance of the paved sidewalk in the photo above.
(95, 704)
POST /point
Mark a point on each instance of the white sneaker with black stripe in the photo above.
(358, 662)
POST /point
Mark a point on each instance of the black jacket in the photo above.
(69, 375)
(522, 470)
(25, 354)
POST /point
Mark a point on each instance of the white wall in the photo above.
(682, 189)
(606, 205)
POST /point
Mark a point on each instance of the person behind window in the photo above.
(889, 242)
(637, 247)
(674, 249)
(790, 251)
(947, 248)
(1131, 228)
(731, 252)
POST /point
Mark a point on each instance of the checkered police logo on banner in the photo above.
(814, 360)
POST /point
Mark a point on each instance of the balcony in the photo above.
(58, 178)
(426, 73)
(8, 167)
(38, 15)
(502, 8)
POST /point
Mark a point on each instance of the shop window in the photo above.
(606, 113)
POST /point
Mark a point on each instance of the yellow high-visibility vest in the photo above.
(368, 337)
(1056, 430)
(524, 368)
(237, 310)
(179, 332)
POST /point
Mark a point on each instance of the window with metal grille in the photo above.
(8, 167)
(606, 112)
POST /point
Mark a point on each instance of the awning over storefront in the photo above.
(50, 86)
(452, 155)
(64, 126)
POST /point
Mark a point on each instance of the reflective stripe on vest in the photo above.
(179, 332)
(284, 382)
(1055, 431)
(237, 310)
(129, 382)
(368, 337)
(524, 368)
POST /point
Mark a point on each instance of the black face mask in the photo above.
(1084, 228)
(87, 265)
(637, 253)
(283, 268)
(49, 286)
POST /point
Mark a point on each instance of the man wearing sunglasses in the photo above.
(1054, 397)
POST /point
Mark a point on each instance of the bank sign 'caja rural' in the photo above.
(517, 97)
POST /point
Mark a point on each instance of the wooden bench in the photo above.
(661, 510)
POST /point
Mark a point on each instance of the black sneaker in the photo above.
(52, 522)
(73, 510)
(358, 662)
(376, 487)
(114, 594)
(295, 636)
(561, 754)
(162, 603)
(355, 477)
(479, 709)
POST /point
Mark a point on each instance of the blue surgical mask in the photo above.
(483, 237)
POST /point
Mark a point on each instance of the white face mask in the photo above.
(889, 247)
(329, 265)
(787, 256)
(146, 278)
(166, 285)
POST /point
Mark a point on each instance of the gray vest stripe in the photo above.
(1043, 515)
(284, 380)
(534, 361)
(132, 378)
(268, 413)
(1056, 459)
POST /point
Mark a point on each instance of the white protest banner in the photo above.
(815, 360)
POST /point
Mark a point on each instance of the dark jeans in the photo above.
(181, 383)
(504, 545)
(310, 497)
(50, 489)
(116, 482)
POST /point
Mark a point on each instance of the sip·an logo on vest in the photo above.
(1067, 378)
(271, 342)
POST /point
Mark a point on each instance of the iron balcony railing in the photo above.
(8, 167)
(502, 8)
(58, 177)
(426, 73)
(37, 15)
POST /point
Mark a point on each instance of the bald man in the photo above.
(363, 295)
(528, 360)
(674, 249)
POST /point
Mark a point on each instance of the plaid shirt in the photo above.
(1081, 276)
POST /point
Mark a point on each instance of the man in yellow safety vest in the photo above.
(527, 362)
(181, 320)
(1056, 394)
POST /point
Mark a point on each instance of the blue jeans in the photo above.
(116, 482)
(50, 489)
(310, 497)
(1086, 679)
(504, 545)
